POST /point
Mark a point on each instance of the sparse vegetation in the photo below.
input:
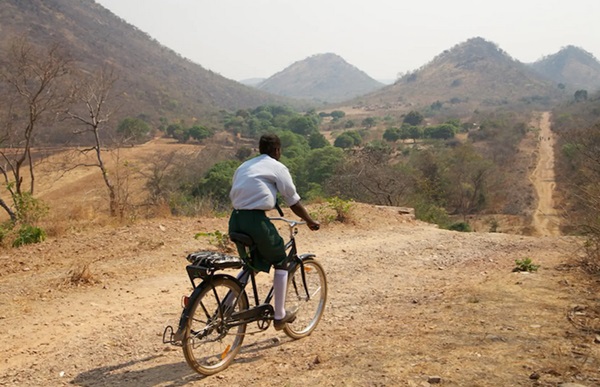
(81, 275)
(218, 239)
(525, 264)
(31, 81)
(341, 207)
(334, 210)
(578, 164)
(460, 226)
(27, 234)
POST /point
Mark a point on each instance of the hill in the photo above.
(322, 77)
(475, 73)
(573, 67)
(157, 81)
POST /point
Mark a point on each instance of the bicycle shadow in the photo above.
(170, 375)
(251, 352)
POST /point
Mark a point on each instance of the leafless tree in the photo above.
(91, 111)
(32, 81)
(369, 176)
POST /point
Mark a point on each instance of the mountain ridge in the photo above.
(158, 81)
(572, 66)
(323, 77)
(473, 73)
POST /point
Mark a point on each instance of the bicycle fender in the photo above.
(195, 294)
(306, 256)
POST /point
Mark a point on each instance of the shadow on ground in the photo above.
(170, 375)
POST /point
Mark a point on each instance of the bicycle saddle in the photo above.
(244, 239)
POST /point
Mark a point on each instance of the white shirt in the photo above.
(257, 181)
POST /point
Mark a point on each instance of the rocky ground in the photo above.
(408, 304)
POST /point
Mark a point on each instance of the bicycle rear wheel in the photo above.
(309, 301)
(210, 343)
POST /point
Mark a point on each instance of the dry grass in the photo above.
(81, 275)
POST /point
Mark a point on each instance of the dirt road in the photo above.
(546, 220)
(407, 303)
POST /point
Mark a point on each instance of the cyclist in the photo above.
(254, 190)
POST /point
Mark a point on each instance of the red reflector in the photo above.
(184, 301)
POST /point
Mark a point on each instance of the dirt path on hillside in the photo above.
(546, 220)
(407, 304)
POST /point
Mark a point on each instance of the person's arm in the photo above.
(299, 210)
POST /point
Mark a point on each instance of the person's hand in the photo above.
(314, 225)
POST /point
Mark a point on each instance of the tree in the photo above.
(582, 148)
(133, 129)
(90, 111)
(413, 118)
(171, 129)
(368, 122)
(337, 114)
(35, 91)
(367, 175)
(356, 136)
(302, 125)
(317, 140)
(199, 133)
(344, 141)
(415, 132)
(443, 131)
(391, 134)
(182, 135)
(467, 175)
(216, 184)
(322, 163)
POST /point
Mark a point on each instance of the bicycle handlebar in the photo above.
(292, 223)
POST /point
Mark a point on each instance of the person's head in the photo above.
(270, 144)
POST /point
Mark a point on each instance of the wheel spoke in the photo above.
(209, 343)
(309, 301)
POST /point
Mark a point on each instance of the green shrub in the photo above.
(218, 239)
(29, 209)
(460, 226)
(29, 234)
(341, 208)
(431, 213)
(525, 265)
(335, 210)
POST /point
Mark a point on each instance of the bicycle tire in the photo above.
(209, 346)
(309, 310)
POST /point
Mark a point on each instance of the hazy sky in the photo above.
(243, 39)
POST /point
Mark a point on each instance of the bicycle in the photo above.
(213, 322)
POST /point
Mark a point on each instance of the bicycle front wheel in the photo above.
(306, 296)
(210, 340)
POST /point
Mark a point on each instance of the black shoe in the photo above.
(289, 318)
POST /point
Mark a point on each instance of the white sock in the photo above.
(279, 287)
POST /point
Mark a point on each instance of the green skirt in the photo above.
(269, 244)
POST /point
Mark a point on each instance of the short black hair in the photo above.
(268, 144)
